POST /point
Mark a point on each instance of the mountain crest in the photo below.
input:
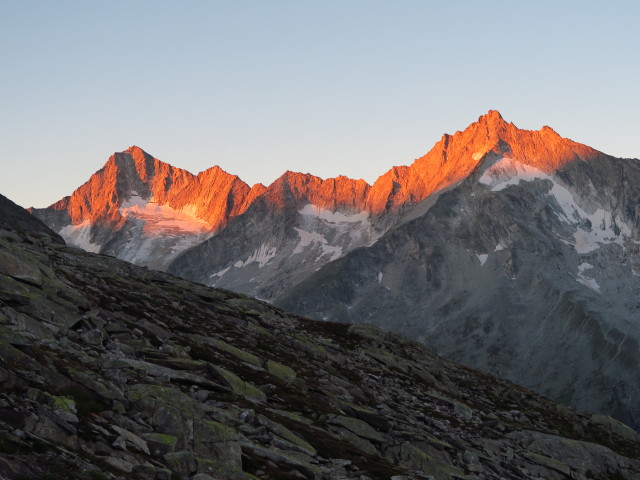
(492, 117)
(133, 187)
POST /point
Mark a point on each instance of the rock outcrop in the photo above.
(109, 370)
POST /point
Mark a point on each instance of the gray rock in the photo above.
(19, 269)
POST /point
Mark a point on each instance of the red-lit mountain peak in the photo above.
(455, 156)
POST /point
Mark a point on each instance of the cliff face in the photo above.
(109, 370)
(454, 157)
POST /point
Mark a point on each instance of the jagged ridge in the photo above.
(199, 206)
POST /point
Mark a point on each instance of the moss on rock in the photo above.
(284, 373)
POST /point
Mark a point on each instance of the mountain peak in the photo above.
(491, 117)
(134, 149)
(135, 152)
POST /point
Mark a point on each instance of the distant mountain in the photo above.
(513, 251)
(260, 240)
(529, 268)
(109, 370)
(146, 211)
(296, 226)
(301, 223)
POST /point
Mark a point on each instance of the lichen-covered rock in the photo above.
(239, 386)
(19, 269)
(112, 371)
(212, 439)
(160, 443)
(360, 428)
(284, 373)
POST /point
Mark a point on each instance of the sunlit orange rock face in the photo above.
(98, 201)
(336, 194)
(454, 157)
(214, 197)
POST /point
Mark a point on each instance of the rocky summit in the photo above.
(112, 371)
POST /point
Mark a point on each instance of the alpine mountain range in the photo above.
(512, 251)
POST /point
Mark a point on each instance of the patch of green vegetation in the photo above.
(64, 404)
(161, 438)
(86, 402)
(284, 373)
(239, 386)
(236, 352)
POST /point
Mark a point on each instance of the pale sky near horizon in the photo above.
(348, 87)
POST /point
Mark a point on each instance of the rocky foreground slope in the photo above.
(109, 370)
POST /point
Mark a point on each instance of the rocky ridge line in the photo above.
(214, 197)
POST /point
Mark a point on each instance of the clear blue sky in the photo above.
(327, 87)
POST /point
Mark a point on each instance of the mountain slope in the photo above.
(147, 212)
(455, 156)
(109, 370)
(528, 269)
(298, 224)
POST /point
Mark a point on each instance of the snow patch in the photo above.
(380, 275)
(499, 247)
(157, 251)
(220, 273)
(162, 219)
(306, 239)
(312, 238)
(190, 209)
(334, 217)
(506, 171)
(79, 236)
(587, 281)
(482, 257)
(261, 256)
(135, 200)
(477, 156)
(604, 227)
